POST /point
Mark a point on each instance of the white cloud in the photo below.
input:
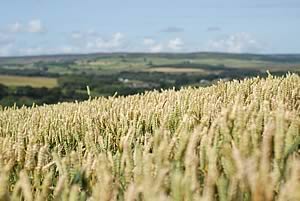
(42, 50)
(68, 49)
(114, 43)
(80, 42)
(236, 43)
(6, 50)
(6, 44)
(152, 45)
(5, 39)
(9, 45)
(84, 35)
(35, 26)
(16, 27)
(116, 40)
(92, 41)
(92, 32)
(33, 51)
(156, 48)
(76, 35)
(175, 44)
(149, 41)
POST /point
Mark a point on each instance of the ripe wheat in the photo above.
(235, 140)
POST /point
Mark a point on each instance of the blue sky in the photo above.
(35, 27)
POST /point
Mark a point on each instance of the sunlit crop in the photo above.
(235, 140)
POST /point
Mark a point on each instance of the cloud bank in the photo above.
(172, 45)
(33, 26)
(236, 43)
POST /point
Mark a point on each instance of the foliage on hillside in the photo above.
(126, 73)
(235, 140)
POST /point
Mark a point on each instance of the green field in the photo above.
(116, 62)
(67, 76)
(11, 80)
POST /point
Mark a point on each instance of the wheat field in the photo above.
(237, 140)
(33, 81)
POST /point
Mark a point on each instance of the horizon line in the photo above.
(149, 53)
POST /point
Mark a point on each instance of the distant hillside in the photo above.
(72, 57)
(59, 78)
